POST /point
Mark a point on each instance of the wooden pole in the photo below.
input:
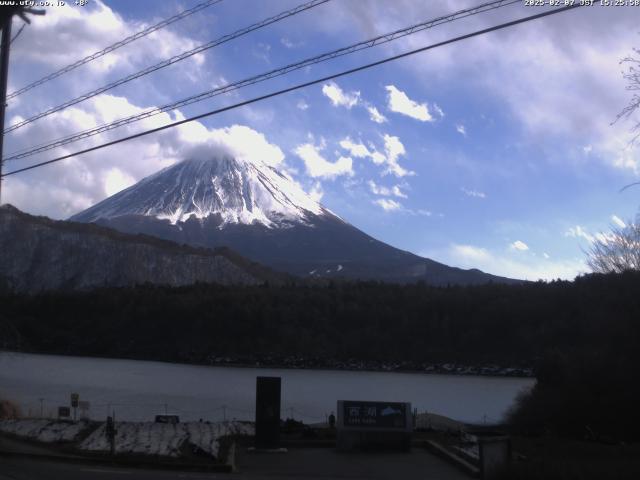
(4, 72)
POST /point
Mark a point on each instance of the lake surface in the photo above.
(137, 390)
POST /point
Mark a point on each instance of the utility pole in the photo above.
(4, 72)
(5, 24)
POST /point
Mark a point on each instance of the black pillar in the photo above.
(268, 412)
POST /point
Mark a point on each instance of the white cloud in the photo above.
(519, 245)
(319, 167)
(471, 253)
(579, 232)
(302, 105)
(388, 205)
(546, 255)
(98, 25)
(116, 180)
(527, 268)
(618, 221)
(399, 102)
(395, 190)
(243, 142)
(473, 193)
(290, 44)
(393, 149)
(515, 66)
(358, 150)
(338, 97)
(316, 192)
(461, 130)
(438, 110)
(375, 115)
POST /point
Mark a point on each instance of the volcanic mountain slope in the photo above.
(265, 216)
(42, 254)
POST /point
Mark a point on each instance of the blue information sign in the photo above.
(374, 414)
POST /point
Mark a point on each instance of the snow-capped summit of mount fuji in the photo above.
(265, 216)
(236, 191)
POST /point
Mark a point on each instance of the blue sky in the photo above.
(496, 152)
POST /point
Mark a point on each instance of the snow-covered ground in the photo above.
(148, 438)
(44, 430)
(165, 439)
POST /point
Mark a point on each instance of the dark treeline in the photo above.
(582, 335)
(508, 324)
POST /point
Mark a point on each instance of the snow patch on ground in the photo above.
(165, 439)
(44, 430)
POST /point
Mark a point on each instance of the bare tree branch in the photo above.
(616, 251)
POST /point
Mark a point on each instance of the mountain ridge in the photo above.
(43, 254)
(266, 217)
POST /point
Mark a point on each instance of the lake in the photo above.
(137, 390)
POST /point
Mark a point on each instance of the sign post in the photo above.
(75, 398)
(364, 424)
(110, 431)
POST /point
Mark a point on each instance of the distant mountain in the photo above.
(41, 254)
(265, 216)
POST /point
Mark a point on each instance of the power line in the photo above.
(385, 38)
(300, 86)
(171, 61)
(111, 48)
(17, 35)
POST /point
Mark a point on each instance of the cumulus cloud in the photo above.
(388, 205)
(117, 180)
(375, 115)
(399, 102)
(395, 190)
(393, 150)
(461, 130)
(519, 245)
(87, 30)
(245, 143)
(302, 105)
(358, 150)
(340, 98)
(316, 192)
(318, 166)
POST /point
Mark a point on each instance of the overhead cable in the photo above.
(113, 47)
(388, 37)
(169, 61)
(299, 86)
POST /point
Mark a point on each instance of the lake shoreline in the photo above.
(299, 363)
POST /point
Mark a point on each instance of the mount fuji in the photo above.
(264, 215)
